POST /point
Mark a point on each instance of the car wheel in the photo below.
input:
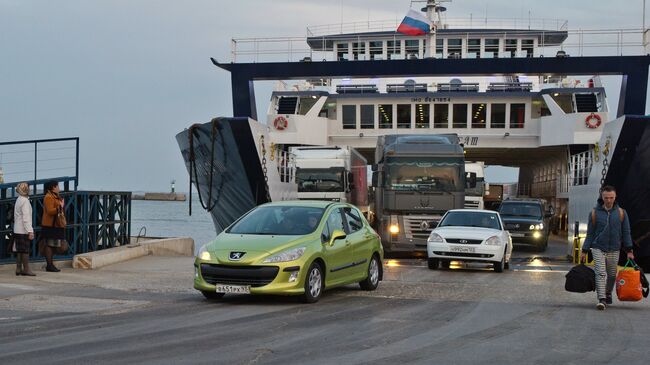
(372, 280)
(433, 263)
(313, 283)
(212, 295)
(445, 264)
(498, 266)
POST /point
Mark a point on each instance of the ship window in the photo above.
(385, 116)
(498, 116)
(517, 115)
(393, 49)
(491, 48)
(441, 116)
(306, 104)
(422, 116)
(359, 50)
(349, 116)
(403, 115)
(342, 51)
(478, 115)
(376, 50)
(439, 47)
(460, 116)
(474, 48)
(412, 48)
(564, 101)
(527, 47)
(511, 47)
(539, 108)
(328, 111)
(367, 118)
(454, 48)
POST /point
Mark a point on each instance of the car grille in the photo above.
(464, 241)
(464, 254)
(413, 226)
(255, 276)
(517, 226)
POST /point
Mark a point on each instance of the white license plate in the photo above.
(235, 289)
(462, 249)
(517, 234)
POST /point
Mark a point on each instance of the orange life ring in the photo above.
(280, 123)
(593, 121)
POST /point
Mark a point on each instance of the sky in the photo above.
(127, 76)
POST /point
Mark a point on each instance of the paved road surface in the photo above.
(145, 311)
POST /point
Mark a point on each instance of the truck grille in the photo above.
(469, 204)
(255, 276)
(414, 228)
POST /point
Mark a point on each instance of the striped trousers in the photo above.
(605, 267)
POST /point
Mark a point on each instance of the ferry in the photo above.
(518, 93)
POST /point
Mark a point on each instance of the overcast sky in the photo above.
(127, 76)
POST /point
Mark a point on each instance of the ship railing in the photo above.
(579, 42)
(286, 166)
(580, 165)
(448, 23)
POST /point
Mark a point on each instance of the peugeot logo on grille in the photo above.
(463, 241)
(424, 225)
(236, 256)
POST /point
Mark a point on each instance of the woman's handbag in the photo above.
(628, 283)
(59, 219)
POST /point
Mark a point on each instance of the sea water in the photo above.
(172, 219)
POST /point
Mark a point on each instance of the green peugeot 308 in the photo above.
(291, 248)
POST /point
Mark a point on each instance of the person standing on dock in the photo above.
(23, 230)
(53, 227)
(608, 226)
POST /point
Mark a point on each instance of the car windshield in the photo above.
(471, 219)
(530, 210)
(279, 220)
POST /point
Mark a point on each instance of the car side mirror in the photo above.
(337, 235)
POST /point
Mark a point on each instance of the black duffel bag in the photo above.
(580, 279)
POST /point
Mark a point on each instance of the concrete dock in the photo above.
(145, 311)
(181, 197)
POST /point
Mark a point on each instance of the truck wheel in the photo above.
(433, 263)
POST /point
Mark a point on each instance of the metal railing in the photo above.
(96, 221)
(448, 23)
(579, 42)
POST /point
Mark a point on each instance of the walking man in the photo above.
(608, 227)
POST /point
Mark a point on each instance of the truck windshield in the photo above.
(424, 174)
(479, 190)
(320, 180)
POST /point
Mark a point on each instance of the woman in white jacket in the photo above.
(23, 230)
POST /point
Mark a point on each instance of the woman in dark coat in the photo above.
(52, 231)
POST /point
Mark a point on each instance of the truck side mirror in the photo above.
(470, 180)
(374, 167)
(375, 177)
(487, 189)
(350, 182)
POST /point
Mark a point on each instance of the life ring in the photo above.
(280, 123)
(593, 121)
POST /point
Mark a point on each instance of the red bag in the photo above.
(628, 283)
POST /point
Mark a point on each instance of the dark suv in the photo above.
(526, 220)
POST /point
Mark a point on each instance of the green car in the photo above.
(291, 248)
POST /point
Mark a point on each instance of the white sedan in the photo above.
(470, 235)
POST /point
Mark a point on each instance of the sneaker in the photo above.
(601, 305)
(51, 268)
(608, 299)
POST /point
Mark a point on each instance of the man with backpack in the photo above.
(608, 227)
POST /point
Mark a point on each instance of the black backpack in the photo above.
(580, 279)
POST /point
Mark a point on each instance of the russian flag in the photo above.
(414, 23)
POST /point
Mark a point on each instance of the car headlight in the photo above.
(434, 237)
(288, 255)
(493, 241)
(537, 227)
(203, 253)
